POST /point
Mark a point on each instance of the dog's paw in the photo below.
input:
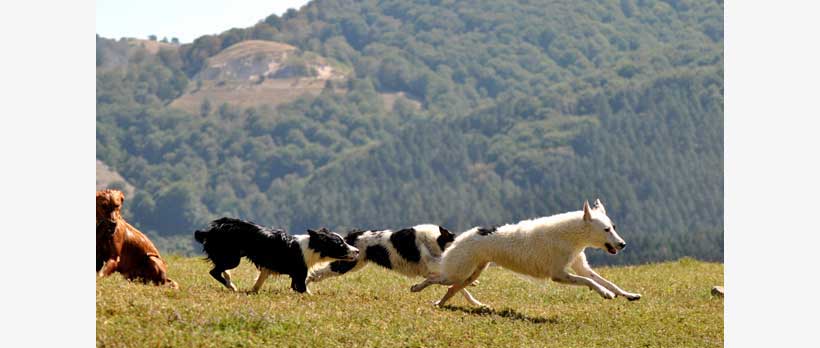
(474, 283)
(417, 287)
(633, 297)
(607, 294)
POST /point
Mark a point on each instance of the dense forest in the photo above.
(521, 109)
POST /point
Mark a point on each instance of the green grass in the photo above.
(374, 308)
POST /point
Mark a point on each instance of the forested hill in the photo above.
(459, 113)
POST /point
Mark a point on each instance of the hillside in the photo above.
(107, 178)
(115, 54)
(254, 72)
(457, 113)
(374, 308)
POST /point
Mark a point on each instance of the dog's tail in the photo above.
(200, 236)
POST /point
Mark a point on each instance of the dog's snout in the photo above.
(354, 251)
(621, 245)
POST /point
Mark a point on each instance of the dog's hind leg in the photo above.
(219, 271)
(218, 274)
(452, 290)
(459, 286)
(581, 267)
(473, 277)
(469, 297)
(264, 273)
(221, 267)
(156, 272)
(227, 275)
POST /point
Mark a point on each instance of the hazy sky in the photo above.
(184, 19)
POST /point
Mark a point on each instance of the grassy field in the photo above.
(374, 308)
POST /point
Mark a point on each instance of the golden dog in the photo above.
(122, 248)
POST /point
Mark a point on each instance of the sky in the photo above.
(183, 19)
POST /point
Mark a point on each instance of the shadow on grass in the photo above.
(504, 313)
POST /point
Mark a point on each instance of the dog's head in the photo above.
(603, 231)
(109, 203)
(330, 245)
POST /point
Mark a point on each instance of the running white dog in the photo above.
(546, 247)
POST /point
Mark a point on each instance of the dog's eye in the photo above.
(608, 229)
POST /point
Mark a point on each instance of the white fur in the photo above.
(546, 247)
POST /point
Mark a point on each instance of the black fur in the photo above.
(342, 267)
(200, 236)
(353, 236)
(444, 238)
(345, 266)
(485, 231)
(227, 240)
(379, 255)
(404, 241)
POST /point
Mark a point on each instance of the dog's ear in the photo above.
(599, 205)
(444, 231)
(120, 198)
(320, 231)
(587, 213)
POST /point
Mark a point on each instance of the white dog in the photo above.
(546, 247)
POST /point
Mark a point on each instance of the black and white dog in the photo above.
(273, 251)
(413, 252)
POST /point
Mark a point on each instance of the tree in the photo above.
(205, 108)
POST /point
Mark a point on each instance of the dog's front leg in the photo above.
(298, 282)
(580, 266)
(629, 295)
(108, 267)
(571, 279)
(611, 286)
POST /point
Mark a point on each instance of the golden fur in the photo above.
(122, 248)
